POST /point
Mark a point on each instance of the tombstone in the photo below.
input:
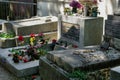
(80, 31)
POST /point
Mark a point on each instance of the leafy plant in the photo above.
(80, 75)
(7, 35)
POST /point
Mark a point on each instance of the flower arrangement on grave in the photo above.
(88, 6)
(94, 12)
(33, 51)
(32, 39)
(67, 11)
(75, 4)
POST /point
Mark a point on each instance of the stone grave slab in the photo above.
(18, 69)
(35, 25)
(87, 59)
(115, 73)
(113, 17)
(50, 71)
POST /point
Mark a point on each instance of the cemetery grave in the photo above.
(33, 25)
(66, 61)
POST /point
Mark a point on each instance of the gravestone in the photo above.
(80, 31)
(112, 27)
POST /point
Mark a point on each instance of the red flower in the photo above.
(32, 35)
(20, 38)
(75, 46)
(54, 41)
(33, 77)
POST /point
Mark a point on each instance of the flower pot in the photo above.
(94, 14)
(74, 10)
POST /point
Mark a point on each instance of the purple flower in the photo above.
(75, 4)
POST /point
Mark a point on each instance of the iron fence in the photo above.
(18, 9)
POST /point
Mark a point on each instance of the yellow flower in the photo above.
(32, 39)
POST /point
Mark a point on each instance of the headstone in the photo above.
(112, 28)
(80, 31)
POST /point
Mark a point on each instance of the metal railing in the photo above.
(15, 10)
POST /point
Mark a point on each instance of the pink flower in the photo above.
(75, 4)
(40, 34)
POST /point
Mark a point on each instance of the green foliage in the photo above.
(41, 52)
(80, 75)
(7, 35)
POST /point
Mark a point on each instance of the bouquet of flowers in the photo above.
(75, 4)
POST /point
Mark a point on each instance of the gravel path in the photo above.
(5, 75)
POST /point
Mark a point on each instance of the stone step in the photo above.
(113, 17)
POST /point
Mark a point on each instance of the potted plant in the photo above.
(95, 12)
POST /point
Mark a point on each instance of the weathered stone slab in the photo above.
(7, 43)
(112, 28)
(89, 59)
(116, 43)
(20, 69)
(113, 17)
(50, 71)
(115, 73)
(41, 24)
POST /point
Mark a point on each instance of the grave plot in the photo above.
(18, 69)
(67, 61)
(112, 35)
(26, 27)
(23, 60)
